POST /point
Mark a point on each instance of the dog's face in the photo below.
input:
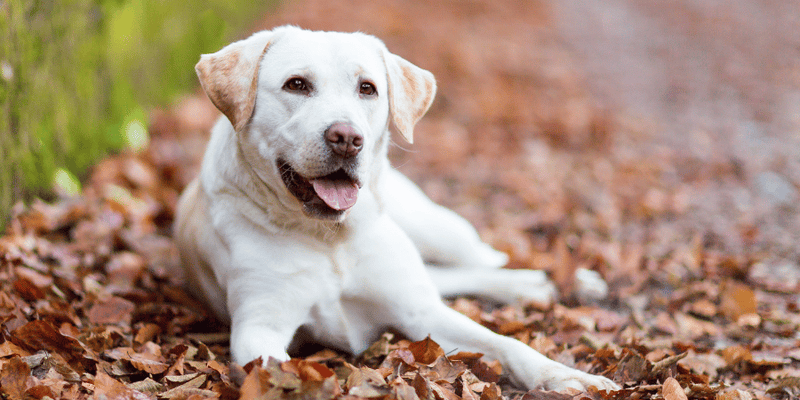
(313, 110)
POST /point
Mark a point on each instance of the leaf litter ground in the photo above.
(703, 291)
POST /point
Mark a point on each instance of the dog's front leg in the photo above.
(271, 288)
(404, 296)
(455, 332)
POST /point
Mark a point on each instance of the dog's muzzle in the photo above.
(324, 197)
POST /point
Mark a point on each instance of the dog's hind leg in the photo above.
(441, 236)
(503, 285)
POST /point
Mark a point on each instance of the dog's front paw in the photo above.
(568, 378)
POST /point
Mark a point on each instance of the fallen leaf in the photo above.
(255, 384)
(39, 335)
(307, 370)
(734, 394)
(425, 351)
(146, 333)
(113, 311)
(401, 390)
(14, 378)
(632, 367)
(788, 386)
(112, 389)
(672, 390)
(737, 299)
(150, 363)
(366, 382)
(735, 354)
(706, 364)
(189, 388)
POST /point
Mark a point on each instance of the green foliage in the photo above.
(78, 76)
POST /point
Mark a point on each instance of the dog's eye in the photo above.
(297, 85)
(367, 89)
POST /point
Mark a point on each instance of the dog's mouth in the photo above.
(324, 197)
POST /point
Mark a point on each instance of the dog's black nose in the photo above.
(344, 140)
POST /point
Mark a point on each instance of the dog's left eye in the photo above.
(367, 89)
(297, 85)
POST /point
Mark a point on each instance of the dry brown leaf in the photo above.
(150, 363)
(27, 290)
(255, 384)
(400, 390)
(148, 385)
(40, 335)
(189, 388)
(115, 310)
(694, 328)
(545, 395)
(704, 308)
(491, 392)
(734, 394)
(443, 393)
(632, 367)
(125, 269)
(307, 370)
(672, 390)
(366, 382)
(112, 389)
(705, 364)
(786, 386)
(485, 371)
(7, 349)
(14, 378)
(735, 354)
(737, 299)
(443, 370)
(422, 387)
(146, 333)
(426, 351)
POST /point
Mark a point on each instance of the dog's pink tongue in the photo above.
(338, 194)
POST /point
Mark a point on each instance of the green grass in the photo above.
(75, 75)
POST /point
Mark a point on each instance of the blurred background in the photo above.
(614, 133)
(79, 78)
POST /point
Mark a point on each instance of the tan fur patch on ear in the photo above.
(220, 91)
(250, 102)
(411, 92)
(230, 78)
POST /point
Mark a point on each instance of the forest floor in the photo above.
(655, 144)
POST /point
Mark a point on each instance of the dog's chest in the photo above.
(340, 317)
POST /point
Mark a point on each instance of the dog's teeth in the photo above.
(338, 194)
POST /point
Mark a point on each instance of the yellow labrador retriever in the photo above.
(297, 219)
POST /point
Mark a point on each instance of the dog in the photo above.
(298, 220)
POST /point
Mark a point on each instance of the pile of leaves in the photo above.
(703, 287)
(91, 304)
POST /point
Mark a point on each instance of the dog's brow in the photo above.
(302, 72)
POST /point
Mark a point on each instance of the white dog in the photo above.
(297, 219)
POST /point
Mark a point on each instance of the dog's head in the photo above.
(313, 110)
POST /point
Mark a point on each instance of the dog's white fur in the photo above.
(263, 262)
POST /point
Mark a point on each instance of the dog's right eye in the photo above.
(297, 85)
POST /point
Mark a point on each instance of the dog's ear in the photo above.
(230, 77)
(411, 92)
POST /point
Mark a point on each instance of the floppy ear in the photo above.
(230, 77)
(411, 91)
